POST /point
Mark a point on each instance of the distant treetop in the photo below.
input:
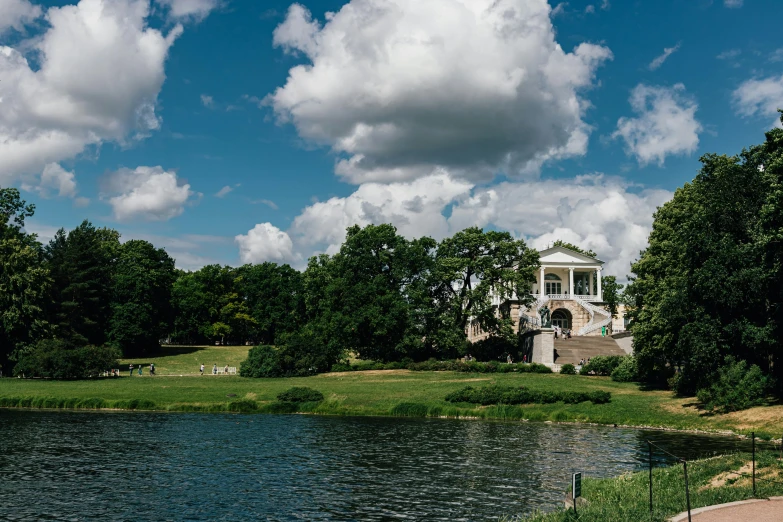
(569, 246)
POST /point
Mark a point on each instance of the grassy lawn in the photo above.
(179, 387)
(712, 481)
(186, 360)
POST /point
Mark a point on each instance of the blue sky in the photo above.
(563, 120)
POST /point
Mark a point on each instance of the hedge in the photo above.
(497, 394)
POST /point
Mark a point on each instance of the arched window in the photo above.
(562, 318)
(552, 284)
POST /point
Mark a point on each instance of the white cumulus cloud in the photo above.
(760, 97)
(400, 88)
(266, 242)
(146, 193)
(54, 181)
(605, 213)
(665, 124)
(15, 14)
(194, 9)
(99, 72)
(414, 207)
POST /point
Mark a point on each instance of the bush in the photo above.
(737, 388)
(602, 365)
(57, 359)
(300, 394)
(262, 361)
(626, 371)
(496, 394)
(341, 367)
(409, 409)
(300, 354)
(568, 369)
(281, 407)
(477, 367)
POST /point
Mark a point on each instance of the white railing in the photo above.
(535, 319)
(592, 326)
(569, 296)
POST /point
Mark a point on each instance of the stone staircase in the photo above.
(576, 348)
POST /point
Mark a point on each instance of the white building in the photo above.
(569, 284)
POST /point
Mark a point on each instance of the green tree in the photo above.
(470, 268)
(141, 298)
(211, 305)
(571, 246)
(275, 298)
(81, 266)
(13, 211)
(704, 289)
(612, 293)
(190, 301)
(23, 290)
(363, 298)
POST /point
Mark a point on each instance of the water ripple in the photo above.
(148, 466)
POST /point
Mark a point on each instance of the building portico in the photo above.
(565, 274)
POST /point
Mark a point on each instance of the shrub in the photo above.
(477, 367)
(496, 394)
(738, 387)
(243, 406)
(602, 365)
(568, 369)
(300, 394)
(300, 353)
(409, 409)
(626, 371)
(57, 359)
(341, 367)
(281, 407)
(262, 361)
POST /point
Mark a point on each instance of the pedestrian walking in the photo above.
(130, 367)
(201, 370)
(140, 367)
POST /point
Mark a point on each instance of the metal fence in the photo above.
(653, 446)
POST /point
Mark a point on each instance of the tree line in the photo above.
(86, 298)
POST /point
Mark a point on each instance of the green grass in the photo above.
(627, 497)
(396, 392)
(186, 360)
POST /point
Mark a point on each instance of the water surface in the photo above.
(153, 466)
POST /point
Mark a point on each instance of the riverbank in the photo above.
(388, 393)
(716, 480)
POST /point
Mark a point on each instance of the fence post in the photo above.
(687, 491)
(649, 448)
(753, 446)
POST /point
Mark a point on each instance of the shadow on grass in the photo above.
(167, 351)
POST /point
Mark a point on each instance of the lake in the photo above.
(151, 466)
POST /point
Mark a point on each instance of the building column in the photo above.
(541, 292)
(600, 292)
(590, 285)
(571, 282)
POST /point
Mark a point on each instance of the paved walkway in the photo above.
(751, 510)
